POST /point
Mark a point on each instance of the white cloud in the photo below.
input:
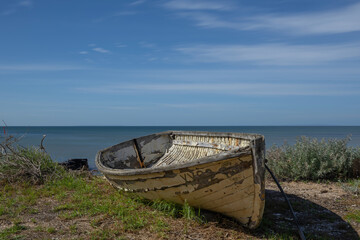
(341, 20)
(120, 45)
(273, 54)
(138, 2)
(13, 9)
(124, 13)
(100, 50)
(83, 52)
(211, 21)
(25, 3)
(117, 14)
(7, 12)
(147, 45)
(39, 67)
(166, 105)
(196, 5)
(124, 107)
(189, 105)
(245, 89)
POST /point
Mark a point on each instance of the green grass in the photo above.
(353, 216)
(51, 230)
(92, 197)
(169, 208)
(9, 232)
(352, 186)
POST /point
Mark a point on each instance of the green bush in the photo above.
(310, 159)
(31, 165)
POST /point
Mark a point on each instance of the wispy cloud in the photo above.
(117, 14)
(330, 22)
(147, 45)
(39, 67)
(124, 107)
(8, 12)
(100, 50)
(25, 3)
(245, 89)
(273, 54)
(207, 20)
(341, 20)
(124, 13)
(95, 48)
(120, 45)
(197, 5)
(152, 59)
(166, 105)
(138, 2)
(13, 8)
(189, 105)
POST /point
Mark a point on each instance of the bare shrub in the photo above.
(32, 165)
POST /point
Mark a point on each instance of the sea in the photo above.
(64, 143)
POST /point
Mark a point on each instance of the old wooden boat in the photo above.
(221, 172)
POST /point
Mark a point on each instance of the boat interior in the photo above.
(172, 147)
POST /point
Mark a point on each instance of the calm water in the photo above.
(83, 142)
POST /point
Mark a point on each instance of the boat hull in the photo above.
(231, 183)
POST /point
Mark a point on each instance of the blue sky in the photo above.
(202, 62)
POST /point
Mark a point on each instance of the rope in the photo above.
(302, 236)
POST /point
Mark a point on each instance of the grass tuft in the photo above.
(352, 186)
(354, 216)
(169, 208)
(8, 232)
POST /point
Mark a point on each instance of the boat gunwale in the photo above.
(240, 151)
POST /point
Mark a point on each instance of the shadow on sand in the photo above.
(317, 222)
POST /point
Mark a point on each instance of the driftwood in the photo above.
(18, 163)
(356, 168)
(41, 143)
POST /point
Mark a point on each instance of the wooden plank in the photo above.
(187, 177)
(231, 196)
(221, 193)
(221, 146)
(234, 205)
(138, 154)
(213, 189)
(241, 213)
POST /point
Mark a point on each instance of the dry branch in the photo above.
(26, 164)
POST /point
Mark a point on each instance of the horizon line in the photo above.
(309, 125)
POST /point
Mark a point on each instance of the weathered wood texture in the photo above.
(187, 148)
(218, 172)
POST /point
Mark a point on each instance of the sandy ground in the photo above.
(320, 208)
